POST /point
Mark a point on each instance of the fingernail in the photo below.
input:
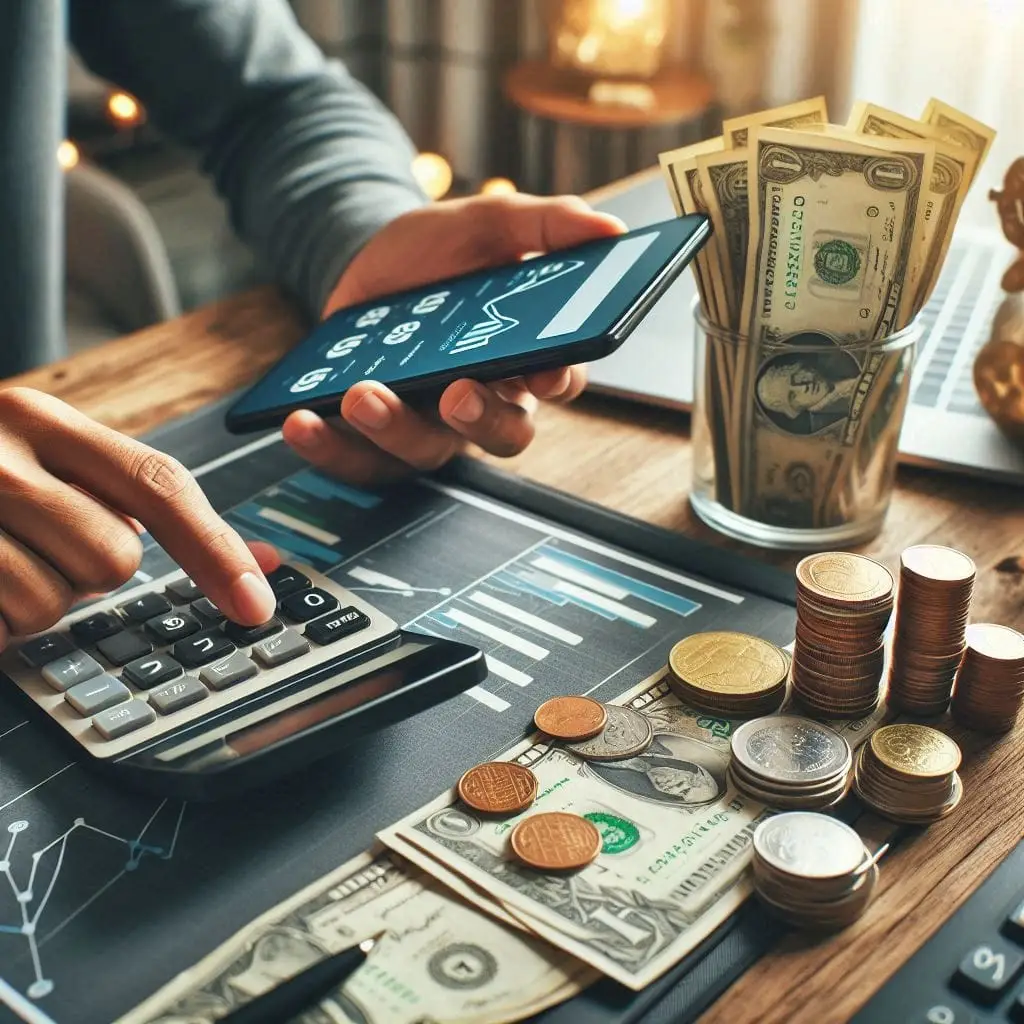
(371, 412)
(252, 599)
(470, 409)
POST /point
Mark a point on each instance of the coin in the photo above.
(728, 663)
(840, 575)
(785, 748)
(809, 844)
(934, 562)
(571, 718)
(556, 841)
(997, 642)
(989, 687)
(915, 750)
(626, 733)
(498, 787)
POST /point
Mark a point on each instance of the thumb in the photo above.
(520, 224)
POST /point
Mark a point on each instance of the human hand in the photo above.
(387, 437)
(74, 496)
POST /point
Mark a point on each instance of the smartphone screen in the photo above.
(507, 318)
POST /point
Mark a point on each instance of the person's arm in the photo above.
(310, 163)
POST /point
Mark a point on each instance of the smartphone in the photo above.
(569, 306)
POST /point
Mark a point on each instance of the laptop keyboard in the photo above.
(957, 322)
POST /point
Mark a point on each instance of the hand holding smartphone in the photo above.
(571, 306)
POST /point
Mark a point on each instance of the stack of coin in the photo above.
(843, 605)
(990, 684)
(812, 870)
(931, 617)
(729, 674)
(789, 762)
(908, 773)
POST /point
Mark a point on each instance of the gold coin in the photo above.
(843, 576)
(556, 841)
(571, 718)
(498, 787)
(723, 662)
(934, 562)
(915, 750)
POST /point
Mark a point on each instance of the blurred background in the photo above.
(536, 95)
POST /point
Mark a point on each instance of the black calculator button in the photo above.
(44, 649)
(70, 670)
(1017, 1009)
(145, 607)
(96, 627)
(165, 629)
(183, 591)
(177, 695)
(337, 625)
(206, 611)
(145, 673)
(285, 581)
(202, 648)
(121, 648)
(246, 635)
(944, 1011)
(1015, 922)
(96, 695)
(223, 674)
(987, 970)
(308, 604)
(125, 718)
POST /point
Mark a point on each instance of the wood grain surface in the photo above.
(637, 461)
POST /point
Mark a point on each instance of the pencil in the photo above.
(304, 990)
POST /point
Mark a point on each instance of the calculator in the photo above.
(156, 686)
(972, 970)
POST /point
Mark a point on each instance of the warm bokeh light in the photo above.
(498, 187)
(433, 174)
(124, 109)
(67, 155)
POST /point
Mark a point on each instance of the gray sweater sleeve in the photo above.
(309, 162)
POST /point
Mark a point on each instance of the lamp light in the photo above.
(498, 187)
(618, 39)
(433, 174)
(67, 155)
(124, 110)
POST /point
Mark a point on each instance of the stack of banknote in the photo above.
(827, 241)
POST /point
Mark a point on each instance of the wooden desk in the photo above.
(637, 461)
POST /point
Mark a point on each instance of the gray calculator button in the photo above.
(222, 674)
(124, 718)
(177, 695)
(281, 648)
(184, 591)
(96, 694)
(71, 669)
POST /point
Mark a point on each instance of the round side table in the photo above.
(571, 144)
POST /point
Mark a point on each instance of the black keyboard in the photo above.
(972, 968)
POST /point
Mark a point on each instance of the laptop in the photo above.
(945, 427)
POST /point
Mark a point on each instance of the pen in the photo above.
(304, 990)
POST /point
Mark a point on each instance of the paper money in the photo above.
(436, 959)
(803, 115)
(676, 843)
(833, 226)
(952, 174)
(962, 130)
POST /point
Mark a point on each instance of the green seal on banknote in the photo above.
(837, 262)
(617, 834)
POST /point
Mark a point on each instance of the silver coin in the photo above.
(626, 733)
(786, 748)
(809, 844)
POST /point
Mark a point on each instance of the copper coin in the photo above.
(556, 841)
(498, 787)
(571, 718)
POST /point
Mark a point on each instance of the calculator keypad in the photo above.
(131, 670)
